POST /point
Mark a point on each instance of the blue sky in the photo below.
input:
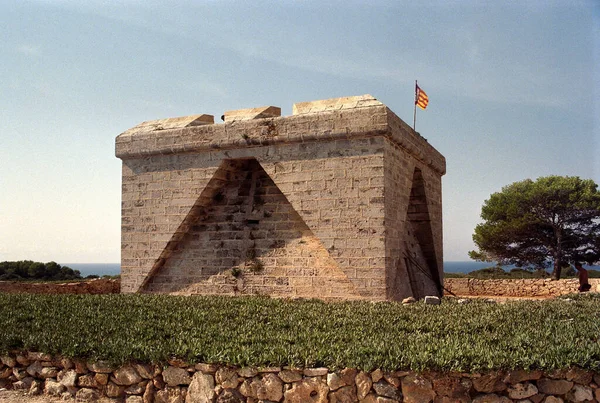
(514, 91)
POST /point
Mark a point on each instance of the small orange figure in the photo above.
(583, 278)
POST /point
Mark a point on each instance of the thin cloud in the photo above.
(29, 50)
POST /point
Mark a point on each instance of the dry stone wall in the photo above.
(516, 287)
(97, 286)
(341, 200)
(207, 383)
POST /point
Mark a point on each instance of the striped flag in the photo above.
(421, 98)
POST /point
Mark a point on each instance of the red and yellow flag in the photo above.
(421, 98)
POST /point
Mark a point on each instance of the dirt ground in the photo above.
(20, 396)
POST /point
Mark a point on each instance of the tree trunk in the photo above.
(557, 268)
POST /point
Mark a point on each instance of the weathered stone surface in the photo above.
(553, 399)
(34, 368)
(126, 376)
(49, 372)
(134, 399)
(87, 395)
(554, 386)
(417, 389)
(144, 370)
(137, 389)
(289, 376)
(316, 372)
(520, 391)
(345, 377)
(6, 372)
(169, 395)
(19, 373)
(201, 389)
(376, 375)
(52, 387)
(409, 300)
(81, 367)
(227, 378)
(114, 390)
(87, 381)
(489, 383)
(491, 398)
(579, 375)
(149, 392)
(309, 390)
(67, 378)
(271, 388)
(174, 376)
(382, 388)
(432, 300)
(8, 360)
(453, 387)
(37, 356)
(230, 396)
(247, 372)
(22, 360)
(66, 363)
(518, 376)
(101, 379)
(103, 367)
(373, 398)
(206, 368)
(392, 380)
(363, 384)
(580, 393)
(345, 394)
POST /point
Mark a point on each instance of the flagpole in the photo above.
(415, 112)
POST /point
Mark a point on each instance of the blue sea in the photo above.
(113, 269)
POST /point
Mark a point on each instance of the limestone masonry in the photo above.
(341, 200)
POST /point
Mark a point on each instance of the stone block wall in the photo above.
(516, 287)
(39, 373)
(341, 200)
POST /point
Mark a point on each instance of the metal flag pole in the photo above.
(415, 112)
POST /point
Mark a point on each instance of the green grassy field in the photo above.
(260, 331)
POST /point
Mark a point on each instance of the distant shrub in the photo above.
(29, 270)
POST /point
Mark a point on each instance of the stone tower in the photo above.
(341, 200)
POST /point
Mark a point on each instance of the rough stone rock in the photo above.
(409, 300)
(518, 376)
(553, 399)
(144, 370)
(453, 387)
(271, 388)
(522, 390)
(247, 372)
(174, 376)
(597, 394)
(463, 301)
(289, 375)
(373, 398)
(66, 363)
(81, 367)
(363, 384)
(206, 368)
(126, 376)
(67, 378)
(134, 399)
(340, 379)
(36, 388)
(169, 395)
(23, 360)
(86, 381)
(249, 386)
(316, 371)
(201, 389)
(393, 380)
(149, 393)
(227, 378)
(230, 396)
(158, 382)
(537, 398)
(137, 389)
(382, 388)
(37, 356)
(101, 379)
(48, 372)
(376, 375)
(579, 375)
(8, 360)
(309, 390)
(345, 394)
(489, 383)
(19, 373)
(554, 386)
(34, 368)
(20, 385)
(6, 373)
(102, 367)
(177, 362)
(114, 390)
(86, 395)
(52, 387)
(491, 398)
(432, 300)
(580, 393)
(417, 389)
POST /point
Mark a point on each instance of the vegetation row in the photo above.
(29, 270)
(258, 331)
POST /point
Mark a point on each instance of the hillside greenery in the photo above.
(497, 272)
(260, 331)
(29, 270)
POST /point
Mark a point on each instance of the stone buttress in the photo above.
(341, 200)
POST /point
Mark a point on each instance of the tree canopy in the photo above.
(29, 270)
(552, 221)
